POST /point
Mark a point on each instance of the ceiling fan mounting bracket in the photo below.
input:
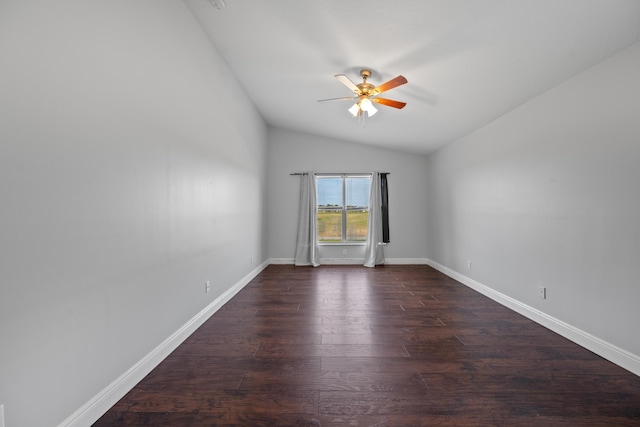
(365, 89)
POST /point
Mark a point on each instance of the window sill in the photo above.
(343, 244)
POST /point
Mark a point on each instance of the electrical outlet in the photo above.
(469, 265)
(251, 259)
(542, 292)
(207, 287)
(344, 252)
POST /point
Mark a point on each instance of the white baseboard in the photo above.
(91, 411)
(280, 261)
(354, 261)
(341, 261)
(617, 355)
(323, 261)
(399, 261)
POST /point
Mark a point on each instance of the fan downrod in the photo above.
(365, 88)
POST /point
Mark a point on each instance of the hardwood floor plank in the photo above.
(218, 402)
(551, 383)
(332, 350)
(394, 365)
(389, 403)
(334, 381)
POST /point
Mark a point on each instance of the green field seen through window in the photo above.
(330, 226)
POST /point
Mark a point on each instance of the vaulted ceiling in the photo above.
(468, 62)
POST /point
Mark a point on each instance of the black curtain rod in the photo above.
(351, 173)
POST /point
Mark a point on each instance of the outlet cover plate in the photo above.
(542, 292)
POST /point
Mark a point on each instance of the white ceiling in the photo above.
(468, 62)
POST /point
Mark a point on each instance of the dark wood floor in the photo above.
(385, 346)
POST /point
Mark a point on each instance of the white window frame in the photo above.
(343, 208)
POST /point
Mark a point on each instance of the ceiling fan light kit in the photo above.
(363, 105)
(365, 94)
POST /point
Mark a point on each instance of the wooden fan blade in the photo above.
(347, 82)
(400, 80)
(338, 99)
(389, 102)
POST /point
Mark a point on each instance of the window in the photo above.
(343, 208)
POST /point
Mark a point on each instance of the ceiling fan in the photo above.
(365, 94)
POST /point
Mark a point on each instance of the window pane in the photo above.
(357, 191)
(357, 225)
(329, 191)
(330, 226)
(343, 203)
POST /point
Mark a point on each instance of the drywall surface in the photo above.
(290, 151)
(548, 196)
(131, 171)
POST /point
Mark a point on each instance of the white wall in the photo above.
(290, 151)
(548, 195)
(132, 168)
